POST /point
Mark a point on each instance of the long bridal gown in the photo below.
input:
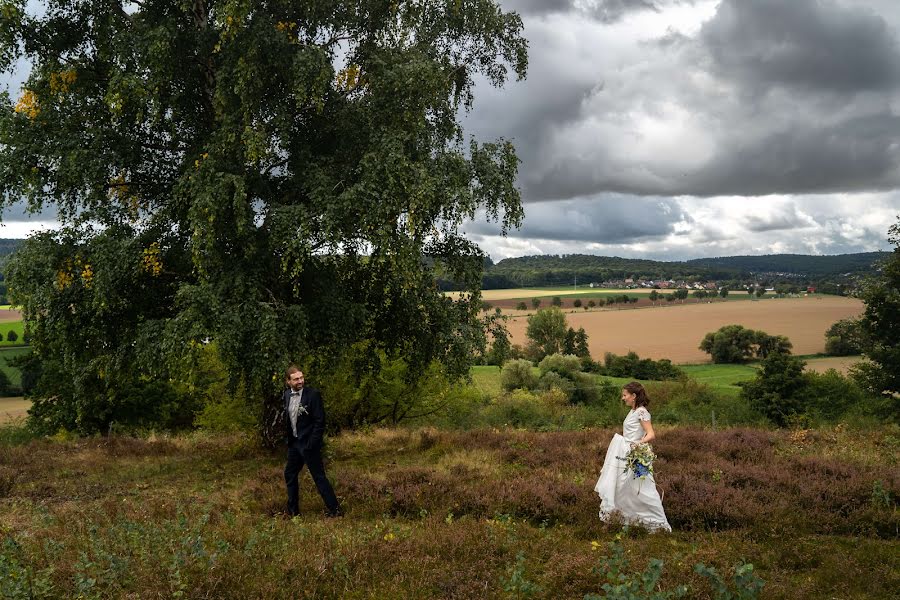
(636, 500)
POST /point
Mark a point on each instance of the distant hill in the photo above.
(537, 271)
(8, 246)
(799, 264)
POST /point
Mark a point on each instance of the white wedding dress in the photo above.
(636, 500)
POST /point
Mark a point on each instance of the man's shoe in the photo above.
(334, 514)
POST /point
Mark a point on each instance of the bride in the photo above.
(636, 500)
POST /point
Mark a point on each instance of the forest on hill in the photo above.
(550, 270)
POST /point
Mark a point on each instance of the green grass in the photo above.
(15, 376)
(487, 380)
(6, 327)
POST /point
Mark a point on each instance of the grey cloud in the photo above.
(814, 44)
(857, 154)
(18, 212)
(787, 218)
(611, 219)
(605, 11)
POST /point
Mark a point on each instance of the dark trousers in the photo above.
(296, 458)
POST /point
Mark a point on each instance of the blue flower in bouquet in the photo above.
(639, 461)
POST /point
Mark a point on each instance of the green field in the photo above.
(722, 378)
(6, 327)
(15, 377)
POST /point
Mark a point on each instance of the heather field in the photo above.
(674, 331)
(440, 514)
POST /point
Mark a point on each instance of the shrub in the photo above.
(631, 365)
(577, 303)
(844, 338)
(564, 364)
(778, 390)
(517, 374)
(736, 343)
(521, 306)
(730, 344)
(12, 336)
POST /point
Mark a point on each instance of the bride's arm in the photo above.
(649, 435)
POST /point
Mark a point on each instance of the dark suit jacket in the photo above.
(311, 424)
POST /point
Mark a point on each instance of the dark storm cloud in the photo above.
(17, 212)
(814, 44)
(605, 11)
(857, 154)
(612, 219)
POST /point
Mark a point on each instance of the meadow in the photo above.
(441, 514)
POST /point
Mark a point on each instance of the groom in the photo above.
(305, 417)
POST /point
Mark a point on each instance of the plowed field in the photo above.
(675, 331)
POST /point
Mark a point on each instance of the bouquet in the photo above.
(639, 461)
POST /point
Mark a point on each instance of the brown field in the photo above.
(841, 364)
(674, 332)
(13, 408)
(10, 314)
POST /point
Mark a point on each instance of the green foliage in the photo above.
(880, 323)
(285, 179)
(769, 344)
(546, 332)
(778, 390)
(516, 584)
(576, 303)
(518, 374)
(844, 338)
(18, 580)
(566, 365)
(12, 336)
(736, 343)
(632, 365)
(621, 584)
(521, 306)
(745, 585)
(388, 394)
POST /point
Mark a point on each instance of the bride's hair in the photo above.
(640, 394)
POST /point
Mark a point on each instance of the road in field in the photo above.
(674, 332)
(13, 408)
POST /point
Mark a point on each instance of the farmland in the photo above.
(674, 332)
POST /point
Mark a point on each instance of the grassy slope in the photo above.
(434, 514)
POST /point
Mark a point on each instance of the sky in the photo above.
(677, 129)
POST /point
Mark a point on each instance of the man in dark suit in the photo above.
(305, 418)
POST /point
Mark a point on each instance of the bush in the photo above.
(12, 336)
(778, 390)
(631, 365)
(844, 338)
(564, 364)
(736, 344)
(517, 374)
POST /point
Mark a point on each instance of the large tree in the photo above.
(880, 326)
(282, 178)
